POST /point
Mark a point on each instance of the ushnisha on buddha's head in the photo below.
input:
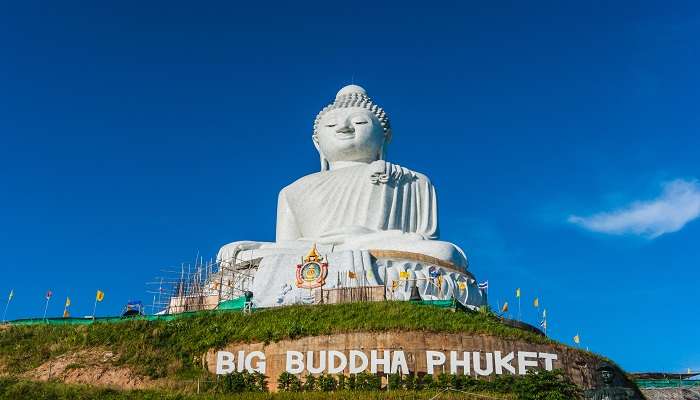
(352, 128)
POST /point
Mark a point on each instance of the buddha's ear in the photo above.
(387, 140)
(324, 161)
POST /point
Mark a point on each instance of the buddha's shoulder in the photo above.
(303, 182)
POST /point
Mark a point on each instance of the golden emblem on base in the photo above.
(312, 272)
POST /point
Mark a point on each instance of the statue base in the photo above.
(349, 275)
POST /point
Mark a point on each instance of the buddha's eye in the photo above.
(330, 125)
(362, 122)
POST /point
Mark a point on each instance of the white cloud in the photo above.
(678, 204)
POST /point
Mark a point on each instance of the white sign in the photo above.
(389, 361)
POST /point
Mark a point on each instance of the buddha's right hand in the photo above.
(228, 253)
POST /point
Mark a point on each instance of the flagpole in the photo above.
(48, 298)
(4, 314)
(518, 308)
(94, 309)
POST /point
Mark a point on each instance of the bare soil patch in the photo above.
(93, 367)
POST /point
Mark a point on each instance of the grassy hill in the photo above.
(158, 348)
(168, 352)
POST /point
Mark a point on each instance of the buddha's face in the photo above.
(350, 134)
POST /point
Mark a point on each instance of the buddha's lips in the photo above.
(345, 136)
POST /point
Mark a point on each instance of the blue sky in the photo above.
(562, 139)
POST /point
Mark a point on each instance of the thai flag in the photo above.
(484, 285)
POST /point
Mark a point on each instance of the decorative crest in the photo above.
(312, 272)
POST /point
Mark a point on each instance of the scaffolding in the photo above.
(200, 286)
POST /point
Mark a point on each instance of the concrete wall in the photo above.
(578, 365)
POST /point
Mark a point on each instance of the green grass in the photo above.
(12, 389)
(172, 348)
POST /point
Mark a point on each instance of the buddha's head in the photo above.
(352, 128)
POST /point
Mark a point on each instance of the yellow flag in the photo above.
(517, 292)
(462, 285)
(352, 275)
(439, 281)
(505, 307)
(67, 301)
(100, 295)
(66, 314)
(536, 303)
(404, 275)
(394, 285)
(577, 339)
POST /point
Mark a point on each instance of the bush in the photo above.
(540, 385)
(365, 381)
(327, 383)
(545, 385)
(395, 382)
(310, 383)
(239, 382)
(287, 382)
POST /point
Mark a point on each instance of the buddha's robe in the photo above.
(376, 206)
(342, 204)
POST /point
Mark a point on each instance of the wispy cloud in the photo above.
(678, 204)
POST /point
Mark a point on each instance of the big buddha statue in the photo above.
(363, 213)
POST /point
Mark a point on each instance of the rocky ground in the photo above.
(93, 367)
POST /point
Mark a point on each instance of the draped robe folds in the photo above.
(376, 206)
(342, 204)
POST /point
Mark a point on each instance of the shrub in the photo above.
(287, 382)
(368, 382)
(395, 382)
(342, 382)
(310, 383)
(427, 382)
(239, 382)
(409, 382)
(545, 385)
(327, 383)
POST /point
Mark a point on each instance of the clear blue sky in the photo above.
(563, 141)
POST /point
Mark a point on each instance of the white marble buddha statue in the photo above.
(358, 201)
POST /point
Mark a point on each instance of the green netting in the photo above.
(436, 303)
(666, 383)
(235, 304)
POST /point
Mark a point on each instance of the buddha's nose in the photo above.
(345, 127)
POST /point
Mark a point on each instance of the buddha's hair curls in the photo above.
(356, 99)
